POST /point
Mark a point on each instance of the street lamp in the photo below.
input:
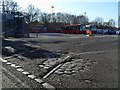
(85, 17)
(52, 8)
(52, 13)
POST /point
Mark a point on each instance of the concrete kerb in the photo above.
(19, 68)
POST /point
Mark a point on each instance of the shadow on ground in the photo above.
(47, 42)
(30, 52)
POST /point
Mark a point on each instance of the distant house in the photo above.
(13, 24)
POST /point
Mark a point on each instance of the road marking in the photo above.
(32, 76)
(18, 80)
(4, 61)
(26, 73)
(1, 59)
(13, 65)
(39, 80)
(8, 63)
(9, 57)
(95, 52)
(92, 52)
(19, 68)
(48, 86)
(46, 67)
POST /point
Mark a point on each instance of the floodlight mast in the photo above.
(52, 8)
(85, 17)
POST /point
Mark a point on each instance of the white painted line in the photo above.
(26, 73)
(46, 67)
(18, 66)
(42, 66)
(67, 57)
(4, 61)
(13, 65)
(9, 57)
(39, 80)
(17, 79)
(48, 86)
(8, 63)
(32, 76)
(87, 35)
(92, 52)
(20, 69)
(87, 81)
(45, 85)
(1, 59)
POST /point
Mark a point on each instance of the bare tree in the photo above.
(33, 14)
(111, 23)
(99, 20)
(70, 19)
(82, 19)
(44, 18)
(58, 17)
(105, 24)
(11, 6)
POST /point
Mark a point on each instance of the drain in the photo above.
(66, 59)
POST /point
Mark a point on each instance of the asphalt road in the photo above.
(93, 61)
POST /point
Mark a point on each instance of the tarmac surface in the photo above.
(61, 61)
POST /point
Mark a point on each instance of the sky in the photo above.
(105, 9)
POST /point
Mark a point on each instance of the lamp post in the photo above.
(85, 17)
(52, 7)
